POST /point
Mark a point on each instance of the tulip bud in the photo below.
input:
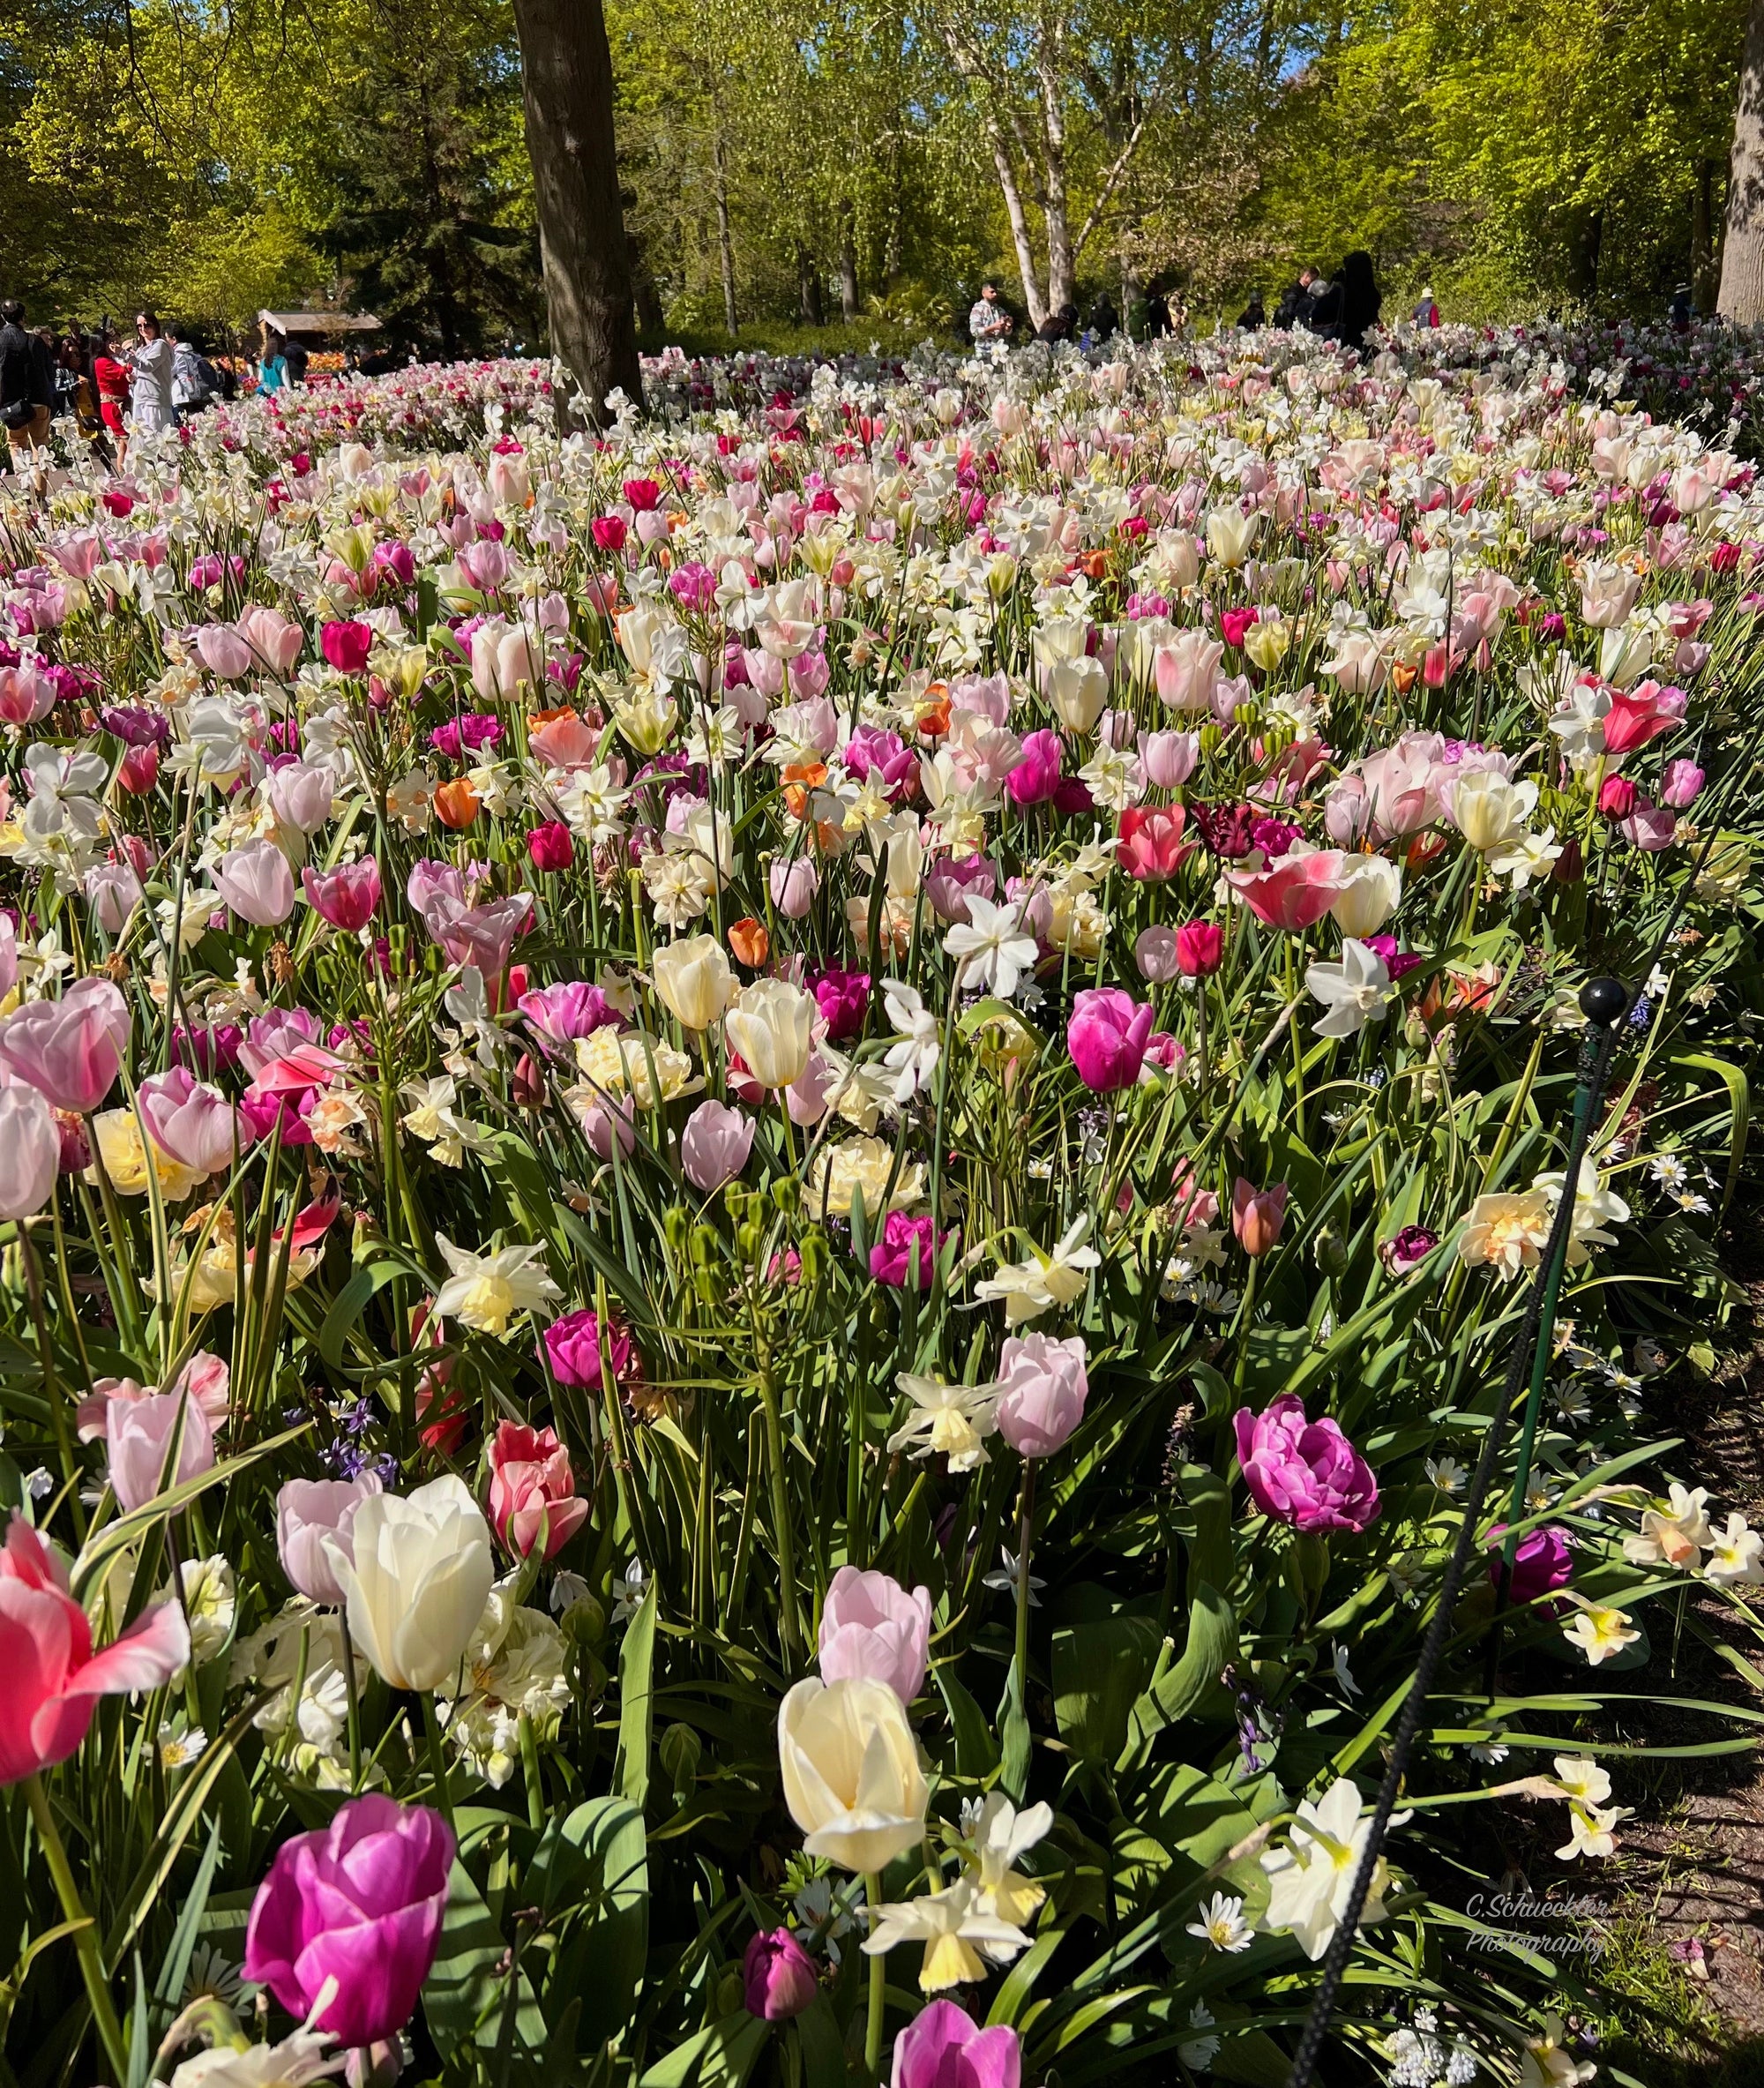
(1258, 1217)
(778, 1977)
(1200, 949)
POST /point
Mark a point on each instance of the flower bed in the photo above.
(766, 1183)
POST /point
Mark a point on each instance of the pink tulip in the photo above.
(558, 1015)
(1150, 846)
(1651, 826)
(272, 638)
(563, 743)
(532, 1483)
(1154, 952)
(8, 955)
(192, 1122)
(309, 1512)
(952, 880)
(299, 795)
(1168, 758)
(1257, 1216)
(55, 1679)
(794, 886)
(70, 1048)
(778, 1977)
(113, 891)
(942, 2047)
(1616, 797)
(30, 1151)
(1681, 784)
(714, 1145)
(1045, 1390)
(1107, 1038)
(1636, 716)
(346, 896)
(1036, 775)
(257, 883)
(1302, 1472)
(139, 1434)
(223, 652)
(358, 1903)
(872, 1630)
(572, 1347)
(1294, 893)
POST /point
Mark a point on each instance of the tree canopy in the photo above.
(868, 159)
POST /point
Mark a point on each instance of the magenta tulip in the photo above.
(942, 2047)
(1302, 1472)
(1541, 1562)
(1107, 1038)
(359, 1902)
(346, 645)
(872, 1630)
(1036, 775)
(573, 1344)
(778, 1977)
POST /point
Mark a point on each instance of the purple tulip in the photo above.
(360, 1902)
(1541, 1562)
(779, 1977)
(1302, 1472)
(942, 2047)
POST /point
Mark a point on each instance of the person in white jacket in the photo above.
(153, 365)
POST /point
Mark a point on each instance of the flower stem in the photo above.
(878, 1985)
(437, 1761)
(86, 1932)
(780, 1511)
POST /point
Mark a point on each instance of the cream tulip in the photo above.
(1487, 809)
(771, 1025)
(416, 1586)
(851, 1772)
(1369, 896)
(693, 980)
(1231, 533)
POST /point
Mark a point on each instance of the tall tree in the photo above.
(1742, 260)
(566, 82)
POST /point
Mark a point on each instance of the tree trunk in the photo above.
(809, 289)
(1742, 260)
(1020, 231)
(725, 245)
(1060, 284)
(566, 82)
(1704, 257)
(848, 268)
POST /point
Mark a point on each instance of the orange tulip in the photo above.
(749, 943)
(457, 804)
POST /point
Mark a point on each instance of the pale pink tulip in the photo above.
(872, 1630)
(257, 883)
(139, 1434)
(69, 1048)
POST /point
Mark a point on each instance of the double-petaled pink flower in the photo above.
(1302, 1472)
(533, 1486)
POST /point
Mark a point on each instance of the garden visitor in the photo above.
(1681, 310)
(272, 360)
(1426, 312)
(1059, 325)
(1293, 309)
(1104, 319)
(151, 362)
(1358, 299)
(111, 381)
(1253, 317)
(195, 383)
(1157, 312)
(294, 355)
(81, 395)
(988, 321)
(1324, 317)
(27, 381)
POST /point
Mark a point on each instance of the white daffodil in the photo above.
(1590, 1830)
(1599, 1631)
(487, 1292)
(1311, 1877)
(914, 1059)
(1355, 992)
(1736, 1555)
(1041, 1283)
(952, 1420)
(991, 948)
(1594, 1208)
(1526, 859)
(960, 1936)
(1000, 1834)
(1675, 1536)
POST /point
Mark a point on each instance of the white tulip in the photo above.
(1369, 896)
(851, 1772)
(418, 1582)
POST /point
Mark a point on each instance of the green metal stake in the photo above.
(1604, 1003)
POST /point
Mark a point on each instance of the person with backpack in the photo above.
(295, 357)
(27, 382)
(194, 380)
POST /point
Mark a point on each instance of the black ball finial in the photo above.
(1603, 1000)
